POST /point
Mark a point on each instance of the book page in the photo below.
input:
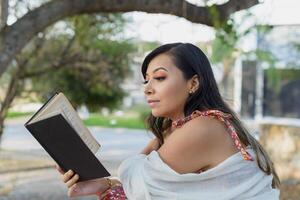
(72, 116)
(60, 104)
(44, 111)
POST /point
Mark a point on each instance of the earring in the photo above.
(191, 91)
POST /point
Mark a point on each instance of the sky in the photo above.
(167, 28)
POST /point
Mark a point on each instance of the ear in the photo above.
(194, 84)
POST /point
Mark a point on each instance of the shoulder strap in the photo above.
(223, 117)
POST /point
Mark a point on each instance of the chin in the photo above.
(155, 114)
(158, 113)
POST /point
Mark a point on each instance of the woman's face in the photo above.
(166, 90)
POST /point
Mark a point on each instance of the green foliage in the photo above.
(263, 29)
(84, 86)
(265, 56)
(88, 66)
(143, 115)
(148, 46)
(297, 47)
(277, 77)
(96, 119)
(273, 77)
(142, 110)
(214, 14)
(224, 44)
(228, 34)
(221, 49)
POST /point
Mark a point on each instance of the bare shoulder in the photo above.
(196, 145)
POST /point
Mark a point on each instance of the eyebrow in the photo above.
(158, 69)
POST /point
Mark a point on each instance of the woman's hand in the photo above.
(91, 187)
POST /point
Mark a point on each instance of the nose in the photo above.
(148, 88)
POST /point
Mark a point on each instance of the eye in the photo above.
(145, 82)
(157, 78)
(160, 78)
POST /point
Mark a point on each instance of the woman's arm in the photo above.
(91, 187)
(95, 186)
(152, 146)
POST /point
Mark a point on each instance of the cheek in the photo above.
(174, 93)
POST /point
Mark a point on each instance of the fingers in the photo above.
(66, 176)
(59, 169)
(69, 178)
(72, 181)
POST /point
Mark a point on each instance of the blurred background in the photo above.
(92, 52)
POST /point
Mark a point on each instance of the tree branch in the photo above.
(15, 37)
(233, 6)
(74, 61)
(14, 83)
(62, 61)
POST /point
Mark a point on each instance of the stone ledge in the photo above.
(282, 142)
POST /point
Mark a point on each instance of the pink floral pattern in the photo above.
(223, 117)
(116, 192)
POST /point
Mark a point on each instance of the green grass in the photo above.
(130, 119)
(18, 114)
(125, 121)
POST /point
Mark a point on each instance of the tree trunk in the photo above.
(1, 127)
(3, 13)
(15, 85)
(225, 82)
(13, 38)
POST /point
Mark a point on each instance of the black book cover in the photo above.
(66, 147)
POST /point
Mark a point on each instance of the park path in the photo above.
(43, 183)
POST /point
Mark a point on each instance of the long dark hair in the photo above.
(192, 61)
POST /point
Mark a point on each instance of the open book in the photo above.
(61, 132)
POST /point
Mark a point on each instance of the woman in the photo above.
(201, 149)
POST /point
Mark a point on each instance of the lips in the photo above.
(152, 103)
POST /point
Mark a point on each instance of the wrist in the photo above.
(105, 184)
(108, 184)
(115, 181)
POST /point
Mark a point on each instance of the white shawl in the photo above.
(149, 178)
